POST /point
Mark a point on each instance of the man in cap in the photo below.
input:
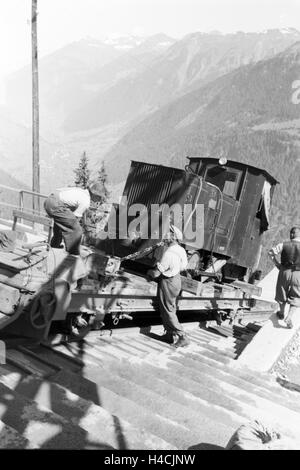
(167, 270)
(66, 206)
(288, 281)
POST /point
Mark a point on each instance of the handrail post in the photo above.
(21, 200)
(35, 110)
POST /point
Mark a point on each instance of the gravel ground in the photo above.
(287, 368)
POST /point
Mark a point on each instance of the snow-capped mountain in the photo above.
(93, 93)
(189, 63)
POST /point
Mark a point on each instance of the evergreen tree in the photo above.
(96, 213)
(82, 173)
(82, 179)
(102, 179)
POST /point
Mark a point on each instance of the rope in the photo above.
(138, 254)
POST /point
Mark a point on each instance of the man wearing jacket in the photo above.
(288, 282)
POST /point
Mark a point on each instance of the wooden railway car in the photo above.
(236, 200)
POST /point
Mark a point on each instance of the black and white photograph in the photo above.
(149, 228)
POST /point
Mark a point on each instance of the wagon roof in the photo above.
(208, 159)
(239, 165)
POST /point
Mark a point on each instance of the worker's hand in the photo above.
(85, 251)
(271, 256)
(153, 274)
(136, 242)
(277, 264)
(274, 259)
(81, 322)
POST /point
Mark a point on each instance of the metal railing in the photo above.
(39, 196)
(19, 201)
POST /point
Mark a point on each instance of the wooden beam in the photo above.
(250, 289)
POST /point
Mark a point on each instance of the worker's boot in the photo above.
(280, 313)
(78, 324)
(168, 337)
(288, 319)
(218, 317)
(182, 342)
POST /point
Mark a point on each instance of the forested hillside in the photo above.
(191, 62)
(92, 93)
(247, 115)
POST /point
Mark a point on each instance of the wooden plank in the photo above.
(217, 265)
(190, 285)
(21, 282)
(250, 289)
(9, 298)
(44, 220)
(18, 260)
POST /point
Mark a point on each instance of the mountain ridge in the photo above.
(249, 96)
(247, 115)
(61, 150)
(189, 63)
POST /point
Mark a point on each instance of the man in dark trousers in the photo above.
(66, 206)
(167, 271)
(288, 282)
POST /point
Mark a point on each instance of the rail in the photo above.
(34, 194)
(13, 200)
(20, 199)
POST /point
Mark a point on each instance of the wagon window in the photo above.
(226, 179)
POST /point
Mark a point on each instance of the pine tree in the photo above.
(82, 173)
(102, 179)
(82, 179)
(96, 212)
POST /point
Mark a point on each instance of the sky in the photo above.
(64, 21)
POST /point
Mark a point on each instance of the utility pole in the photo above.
(35, 108)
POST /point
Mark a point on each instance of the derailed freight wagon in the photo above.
(41, 285)
(236, 199)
